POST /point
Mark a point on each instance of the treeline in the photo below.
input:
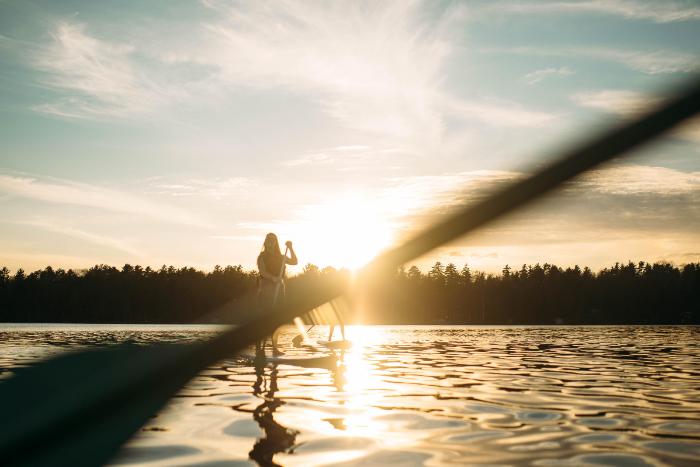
(541, 294)
(641, 293)
(106, 294)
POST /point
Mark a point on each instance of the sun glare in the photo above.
(346, 232)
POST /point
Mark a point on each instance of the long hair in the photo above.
(271, 245)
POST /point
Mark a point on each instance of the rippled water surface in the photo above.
(422, 396)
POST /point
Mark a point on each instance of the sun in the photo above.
(344, 232)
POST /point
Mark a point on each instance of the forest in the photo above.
(631, 293)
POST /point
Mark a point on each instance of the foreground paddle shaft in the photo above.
(99, 398)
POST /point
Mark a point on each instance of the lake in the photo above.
(420, 395)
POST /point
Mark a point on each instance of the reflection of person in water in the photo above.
(277, 438)
(271, 264)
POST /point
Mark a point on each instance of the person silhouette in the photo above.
(271, 286)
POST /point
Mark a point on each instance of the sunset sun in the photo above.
(346, 232)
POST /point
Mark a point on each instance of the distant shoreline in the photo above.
(624, 294)
(419, 326)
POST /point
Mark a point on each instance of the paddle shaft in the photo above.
(281, 275)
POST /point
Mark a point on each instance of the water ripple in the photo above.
(545, 396)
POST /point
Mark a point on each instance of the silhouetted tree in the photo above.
(629, 293)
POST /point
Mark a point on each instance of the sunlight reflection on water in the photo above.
(422, 395)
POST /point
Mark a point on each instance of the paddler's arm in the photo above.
(293, 260)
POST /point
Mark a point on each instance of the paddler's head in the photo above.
(271, 244)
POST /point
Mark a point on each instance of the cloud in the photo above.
(637, 197)
(375, 68)
(216, 188)
(378, 68)
(498, 113)
(412, 203)
(622, 204)
(310, 159)
(35, 261)
(651, 62)
(538, 75)
(343, 157)
(99, 73)
(247, 238)
(615, 101)
(351, 147)
(641, 212)
(631, 200)
(102, 240)
(660, 12)
(628, 104)
(99, 78)
(638, 179)
(81, 194)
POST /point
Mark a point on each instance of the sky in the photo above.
(181, 132)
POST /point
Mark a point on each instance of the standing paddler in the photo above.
(271, 264)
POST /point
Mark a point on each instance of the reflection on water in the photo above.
(276, 438)
(422, 395)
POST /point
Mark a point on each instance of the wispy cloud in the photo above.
(245, 238)
(411, 203)
(667, 11)
(98, 78)
(216, 188)
(651, 62)
(428, 197)
(653, 211)
(30, 261)
(82, 194)
(627, 104)
(536, 76)
(636, 179)
(376, 68)
(629, 203)
(310, 159)
(498, 113)
(343, 157)
(117, 244)
(616, 101)
(351, 147)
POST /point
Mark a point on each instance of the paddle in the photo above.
(303, 332)
(281, 274)
(278, 286)
(79, 408)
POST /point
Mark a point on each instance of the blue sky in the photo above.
(181, 132)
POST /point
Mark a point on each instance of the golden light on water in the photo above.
(360, 383)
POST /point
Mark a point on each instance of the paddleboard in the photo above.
(344, 344)
(325, 361)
